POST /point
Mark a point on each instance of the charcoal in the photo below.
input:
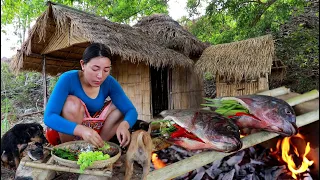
(227, 176)
(242, 172)
(180, 150)
(249, 168)
(216, 163)
(255, 177)
(252, 161)
(274, 172)
(248, 177)
(237, 168)
(178, 156)
(262, 154)
(306, 176)
(225, 168)
(252, 151)
(207, 177)
(200, 173)
(236, 159)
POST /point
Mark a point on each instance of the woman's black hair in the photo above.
(95, 50)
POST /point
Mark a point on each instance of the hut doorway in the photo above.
(159, 90)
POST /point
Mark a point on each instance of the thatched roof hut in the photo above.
(155, 76)
(247, 59)
(62, 33)
(239, 63)
(164, 31)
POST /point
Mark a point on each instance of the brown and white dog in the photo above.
(139, 151)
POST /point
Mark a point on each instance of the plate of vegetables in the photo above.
(83, 155)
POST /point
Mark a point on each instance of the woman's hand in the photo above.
(89, 135)
(123, 134)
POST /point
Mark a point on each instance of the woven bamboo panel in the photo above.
(187, 89)
(243, 88)
(135, 82)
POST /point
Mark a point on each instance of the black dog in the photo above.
(140, 124)
(14, 141)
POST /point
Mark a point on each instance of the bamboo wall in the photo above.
(242, 88)
(187, 89)
(135, 81)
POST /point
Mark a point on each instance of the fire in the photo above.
(158, 163)
(288, 158)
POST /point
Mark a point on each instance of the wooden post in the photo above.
(169, 81)
(44, 76)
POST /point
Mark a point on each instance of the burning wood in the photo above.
(295, 166)
(157, 163)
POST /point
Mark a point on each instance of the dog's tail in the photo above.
(140, 139)
(144, 140)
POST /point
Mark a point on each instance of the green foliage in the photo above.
(21, 91)
(86, 159)
(298, 47)
(51, 83)
(105, 147)
(165, 127)
(65, 154)
(5, 107)
(233, 20)
(208, 76)
(225, 107)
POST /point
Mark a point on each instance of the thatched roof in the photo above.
(248, 59)
(165, 31)
(62, 33)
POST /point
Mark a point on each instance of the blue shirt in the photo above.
(69, 84)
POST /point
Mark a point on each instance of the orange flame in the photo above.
(285, 148)
(158, 163)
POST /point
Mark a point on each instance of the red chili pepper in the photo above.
(243, 114)
(178, 133)
(181, 132)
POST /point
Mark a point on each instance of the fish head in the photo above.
(221, 132)
(277, 115)
(216, 131)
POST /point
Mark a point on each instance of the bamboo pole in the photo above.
(44, 76)
(303, 97)
(184, 166)
(106, 173)
(276, 92)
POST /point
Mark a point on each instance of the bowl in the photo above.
(114, 151)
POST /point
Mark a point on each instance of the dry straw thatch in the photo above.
(243, 60)
(163, 30)
(62, 33)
